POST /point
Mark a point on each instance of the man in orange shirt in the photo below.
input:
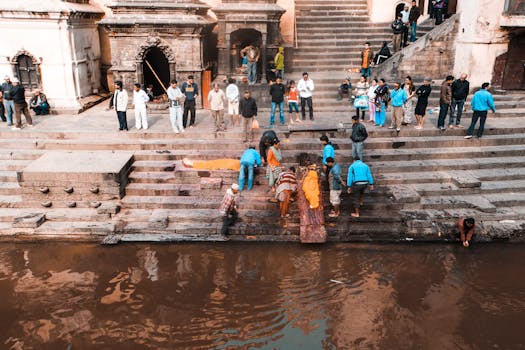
(274, 162)
(367, 56)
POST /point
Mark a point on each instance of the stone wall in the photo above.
(430, 56)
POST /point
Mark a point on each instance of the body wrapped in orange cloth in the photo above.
(311, 188)
(216, 164)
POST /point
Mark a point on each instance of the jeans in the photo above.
(252, 72)
(281, 112)
(2, 112)
(357, 150)
(189, 106)
(10, 109)
(443, 111)
(122, 120)
(482, 116)
(459, 104)
(404, 41)
(438, 14)
(307, 101)
(41, 109)
(365, 72)
(176, 118)
(279, 73)
(381, 114)
(242, 176)
(413, 31)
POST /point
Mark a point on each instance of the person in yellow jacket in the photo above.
(279, 62)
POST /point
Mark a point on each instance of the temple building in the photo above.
(75, 49)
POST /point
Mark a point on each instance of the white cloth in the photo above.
(233, 108)
(306, 88)
(405, 15)
(140, 98)
(141, 117)
(120, 100)
(216, 100)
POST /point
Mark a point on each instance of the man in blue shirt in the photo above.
(335, 183)
(328, 151)
(399, 97)
(482, 101)
(191, 92)
(359, 178)
(249, 159)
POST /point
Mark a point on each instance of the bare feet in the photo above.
(187, 163)
(355, 215)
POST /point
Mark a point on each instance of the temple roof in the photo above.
(175, 19)
(43, 6)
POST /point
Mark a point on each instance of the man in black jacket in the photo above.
(19, 98)
(277, 92)
(460, 89)
(412, 18)
(265, 143)
(248, 110)
(397, 29)
(359, 135)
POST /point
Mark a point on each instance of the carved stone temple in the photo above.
(162, 36)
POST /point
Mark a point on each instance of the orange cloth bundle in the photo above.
(311, 189)
(218, 164)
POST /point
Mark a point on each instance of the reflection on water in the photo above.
(261, 296)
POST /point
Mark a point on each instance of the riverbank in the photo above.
(425, 180)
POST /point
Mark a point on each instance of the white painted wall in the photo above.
(480, 39)
(64, 76)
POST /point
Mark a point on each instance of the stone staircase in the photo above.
(331, 35)
(425, 180)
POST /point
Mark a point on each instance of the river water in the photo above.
(261, 296)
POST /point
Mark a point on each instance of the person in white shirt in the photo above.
(119, 101)
(405, 15)
(175, 97)
(217, 100)
(139, 101)
(306, 89)
(232, 94)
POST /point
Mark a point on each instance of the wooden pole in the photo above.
(156, 76)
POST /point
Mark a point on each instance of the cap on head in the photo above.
(7, 77)
(235, 187)
(15, 80)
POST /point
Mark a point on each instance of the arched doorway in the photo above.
(400, 8)
(27, 72)
(159, 63)
(241, 38)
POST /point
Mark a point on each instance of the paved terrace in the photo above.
(425, 179)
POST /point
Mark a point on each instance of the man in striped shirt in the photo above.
(228, 208)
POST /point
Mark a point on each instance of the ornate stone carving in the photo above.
(155, 41)
(24, 52)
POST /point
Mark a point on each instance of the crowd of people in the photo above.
(13, 103)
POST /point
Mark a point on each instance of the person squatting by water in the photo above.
(466, 228)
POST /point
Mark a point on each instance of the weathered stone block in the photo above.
(108, 208)
(29, 221)
(158, 220)
(405, 194)
(209, 183)
(465, 180)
